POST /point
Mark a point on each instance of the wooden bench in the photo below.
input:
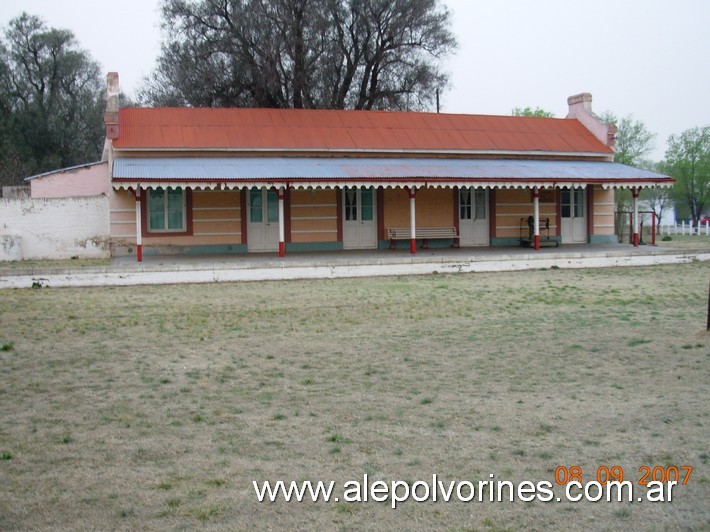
(422, 233)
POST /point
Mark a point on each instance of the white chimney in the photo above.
(580, 107)
(111, 115)
(580, 103)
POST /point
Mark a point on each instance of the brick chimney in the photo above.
(111, 115)
(580, 107)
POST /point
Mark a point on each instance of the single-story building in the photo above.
(193, 180)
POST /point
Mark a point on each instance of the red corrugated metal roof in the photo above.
(294, 129)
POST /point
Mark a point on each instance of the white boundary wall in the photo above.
(54, 228)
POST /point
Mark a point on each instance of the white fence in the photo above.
(54, 228)
(686, 229)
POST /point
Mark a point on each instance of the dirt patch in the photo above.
(156, 407)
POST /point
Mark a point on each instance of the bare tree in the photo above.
(633, 142)
(659, 199)
(337, 54)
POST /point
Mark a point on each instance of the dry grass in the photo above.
(156, 407)
(701, 242)
(58, 264)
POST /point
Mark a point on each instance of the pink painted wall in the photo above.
(90, 180)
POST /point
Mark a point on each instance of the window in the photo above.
(480, 203)
(366, 204)
(256, 205)
(472, 203)
(578, 202)
(350, 204)
(256, 209)
(272, 206)
(359, 200)
(465, 203)
(167, 212)
(565, 203)
(572, 203)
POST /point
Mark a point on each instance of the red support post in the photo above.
(536, 218)
(139, 226)
(282, 224)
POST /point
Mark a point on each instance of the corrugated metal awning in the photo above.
(312, 172)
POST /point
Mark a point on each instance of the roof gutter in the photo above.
(428, 179)
(324, 183)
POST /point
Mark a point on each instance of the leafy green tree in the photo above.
(688, 161)
(51, 101)
(538, 112)
(633, 140)
(633, 143)
(334, 54)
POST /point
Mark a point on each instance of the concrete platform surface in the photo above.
(170, 269)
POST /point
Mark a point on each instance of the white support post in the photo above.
(412, 220)
(282, 224)
(139, 226)
(536, 217)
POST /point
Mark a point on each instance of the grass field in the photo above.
(682, 241)
(156, 407)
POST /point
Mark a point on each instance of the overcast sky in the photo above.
(648, 58)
